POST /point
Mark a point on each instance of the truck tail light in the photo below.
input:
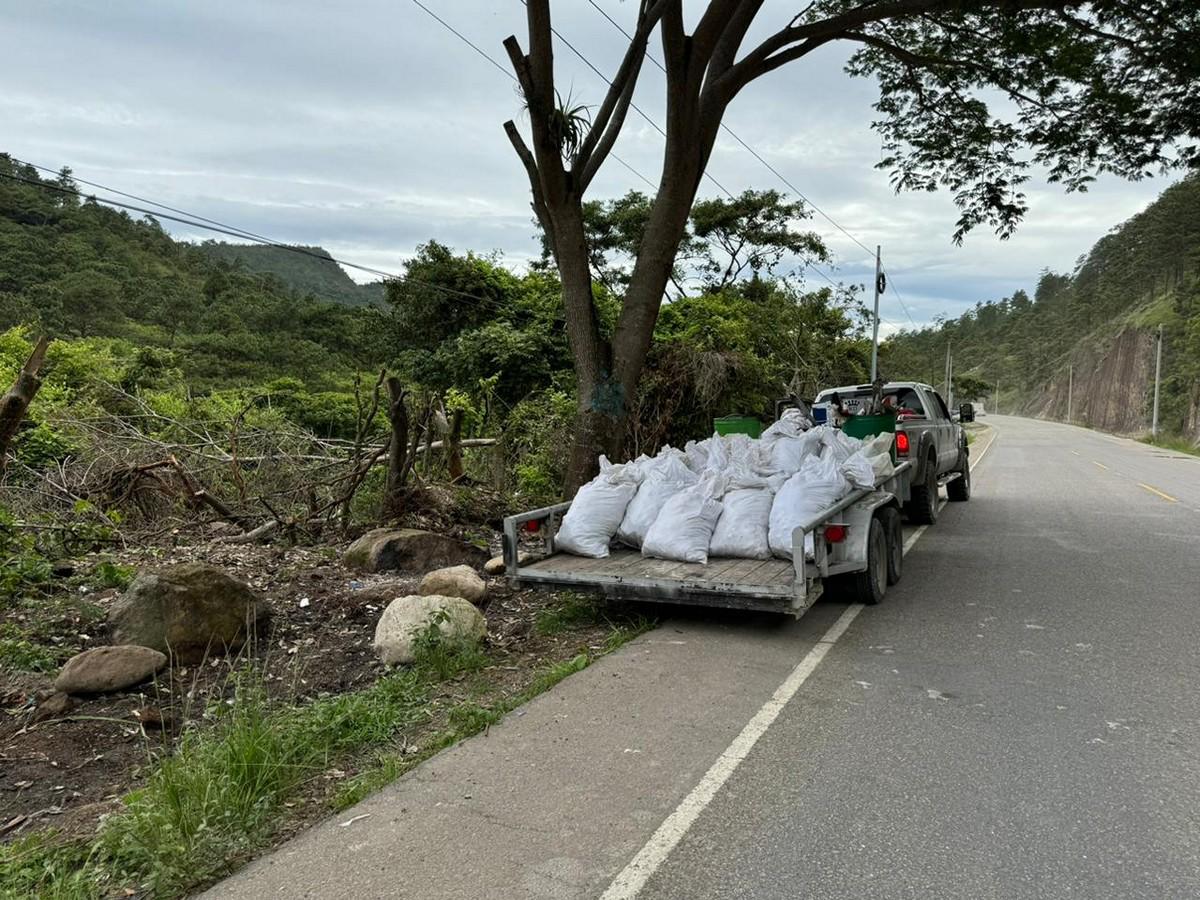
(835, 534)
(902, 443)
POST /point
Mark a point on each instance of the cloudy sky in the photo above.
(367, 128)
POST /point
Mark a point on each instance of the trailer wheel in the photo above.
(922, 506)
(890, 518)
(869, 586)
(959, 490)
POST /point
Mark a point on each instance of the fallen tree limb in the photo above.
(14, 404)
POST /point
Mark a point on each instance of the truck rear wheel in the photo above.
(894, 531)
(959, 490)
(922, 506)
(870, 585)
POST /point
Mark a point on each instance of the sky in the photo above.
(368, 128)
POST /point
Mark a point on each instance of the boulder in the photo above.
(190, 611)
(407, 617)
(105, 669)
(409, 549)
(455, 581)
(495, 565)
(382, 593)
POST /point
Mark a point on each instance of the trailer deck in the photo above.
(746, 583)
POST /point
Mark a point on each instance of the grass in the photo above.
(19, 654)
(219, 796)
(570, 610)
(1172, 442)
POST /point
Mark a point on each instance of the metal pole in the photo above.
(997, 403)
(950, 385)
(1070, 389)
(875, 335)
(946, 370)
(1157, 379)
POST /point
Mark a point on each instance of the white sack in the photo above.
(663, 478)
(840, 445)
(685, 525)
(817, 486)
(792, 423)
(742, 529)
(881, 443)
(859, 470)
(789, 453)
(597, 511)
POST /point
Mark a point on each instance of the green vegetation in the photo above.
(1179, 445)
(1143, 274)
(312, 272)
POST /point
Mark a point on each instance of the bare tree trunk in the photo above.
(14, 404)
(453, 444)
(398, 450)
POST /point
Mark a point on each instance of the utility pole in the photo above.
(950, 384)
(946, 370)
(1157, 379)
(1070, 389)
(875, 335)
(997, 403)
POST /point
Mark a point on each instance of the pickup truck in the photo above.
(926, 434)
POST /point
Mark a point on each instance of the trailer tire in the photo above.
(870, 585)
(922, 506)
(894, 531)
(959, 490)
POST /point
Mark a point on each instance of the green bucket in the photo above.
(864, 427)
(738, 425)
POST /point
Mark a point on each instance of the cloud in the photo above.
(371, 131)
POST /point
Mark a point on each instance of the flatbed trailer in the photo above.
(857, 540)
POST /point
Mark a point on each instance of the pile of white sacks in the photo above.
(723, 496)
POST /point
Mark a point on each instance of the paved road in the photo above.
(1029, 729)
(1018, 719)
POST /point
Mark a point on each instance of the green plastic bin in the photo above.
(738, 425)
(864, 427)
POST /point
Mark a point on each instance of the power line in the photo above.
(832, 221)
(458, 34)
(589, 64)
(204, 224)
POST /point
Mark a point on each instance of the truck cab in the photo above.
(926, 434)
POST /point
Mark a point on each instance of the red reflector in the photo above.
(901, 442)
(533, 524)
(835, 534)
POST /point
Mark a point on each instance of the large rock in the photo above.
(105, 669)
(408, 549)
(407, 617)
(189, 611)
(495, 565)
(455, 581)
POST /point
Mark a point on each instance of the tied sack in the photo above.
(663, 478)
(817, 486)
(597, 510)
(685, 525)
(742, 530)
(872, 464)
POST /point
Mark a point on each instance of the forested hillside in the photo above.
(311, 272)
(1094, 328)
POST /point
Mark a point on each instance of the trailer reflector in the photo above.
(835, 534)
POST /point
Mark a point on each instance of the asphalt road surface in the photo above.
(1018, 719)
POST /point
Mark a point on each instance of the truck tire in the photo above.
(890, 518)
(959, 490)
(870, 585)
(922, 507)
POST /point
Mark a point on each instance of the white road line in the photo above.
(635, 875)
(630, 881)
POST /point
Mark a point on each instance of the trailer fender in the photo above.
(851, 554)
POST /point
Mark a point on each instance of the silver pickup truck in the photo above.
(926, 434)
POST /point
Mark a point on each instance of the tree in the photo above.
(1106, 86)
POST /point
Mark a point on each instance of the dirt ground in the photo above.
(67, 769)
